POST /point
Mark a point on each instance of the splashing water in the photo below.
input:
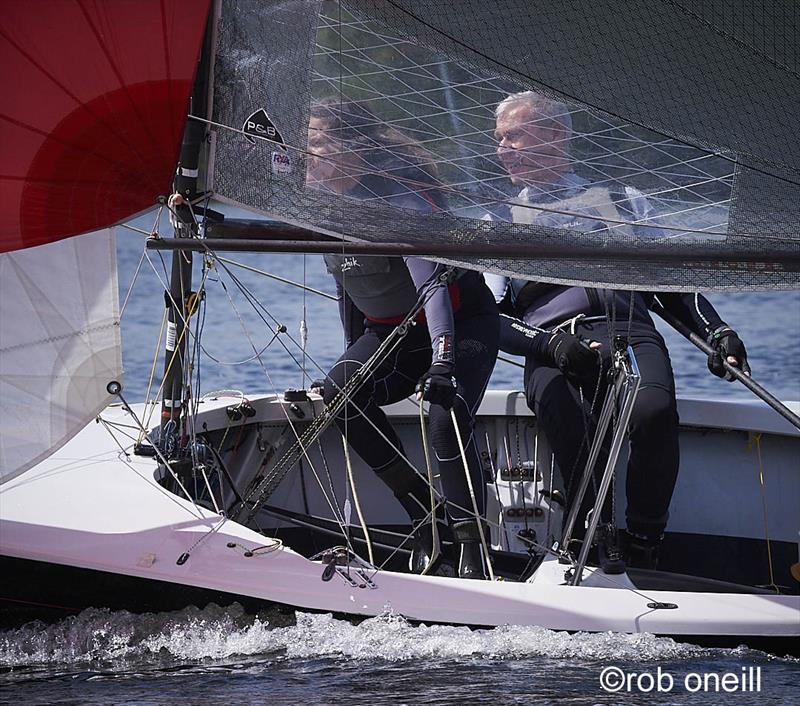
(223, 655)
(105, 637)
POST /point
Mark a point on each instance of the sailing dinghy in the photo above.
(249, 497)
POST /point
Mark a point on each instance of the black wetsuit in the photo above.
(567, 407)
(461, 318)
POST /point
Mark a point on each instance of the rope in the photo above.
(502, 524)
(429, 470)
(360, 514)
(156, 354)
(472, 495)
(756, 439)
(130, 287)
(304, 327)
(282, 280)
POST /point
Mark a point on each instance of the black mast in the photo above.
(180, 298)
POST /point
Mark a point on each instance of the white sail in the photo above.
(59, 344)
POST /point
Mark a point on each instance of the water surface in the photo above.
(216, 655)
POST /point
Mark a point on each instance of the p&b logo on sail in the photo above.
(258, 125)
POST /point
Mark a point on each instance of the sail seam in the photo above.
(52, 339)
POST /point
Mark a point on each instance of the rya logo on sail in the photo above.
(258, 125)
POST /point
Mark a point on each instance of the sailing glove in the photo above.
(725, 342)
(572, 355)
(438, 385)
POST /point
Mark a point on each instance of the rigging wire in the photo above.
(304, 328)
(502, 524)
(270, 275)
(149, 415)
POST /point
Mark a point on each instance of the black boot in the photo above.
(413, 493)
(640, 552)
(610, 556)
(426, 554)
(471, 563)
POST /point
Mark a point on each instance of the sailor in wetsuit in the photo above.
(563, 384)
(447, 355)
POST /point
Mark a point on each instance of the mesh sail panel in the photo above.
(635, 145)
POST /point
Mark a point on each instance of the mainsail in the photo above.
(95, 100)
(693, 106)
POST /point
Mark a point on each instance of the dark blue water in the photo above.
(223, 656)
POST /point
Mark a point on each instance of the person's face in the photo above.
(328, 165)
(533, 150)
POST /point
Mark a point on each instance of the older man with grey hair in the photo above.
(564, 372)
(531, 119)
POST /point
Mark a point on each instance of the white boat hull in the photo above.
(92, 506)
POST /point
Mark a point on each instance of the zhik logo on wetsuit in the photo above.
(259, 125)
(349, 263)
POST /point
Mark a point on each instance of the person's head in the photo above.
(349, 147)
(533, 134)
(335, 131)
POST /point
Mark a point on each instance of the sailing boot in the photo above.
(609, 553)
(471, 563)
(413, 493)
(639, 551)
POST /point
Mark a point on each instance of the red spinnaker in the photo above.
(95, 96)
